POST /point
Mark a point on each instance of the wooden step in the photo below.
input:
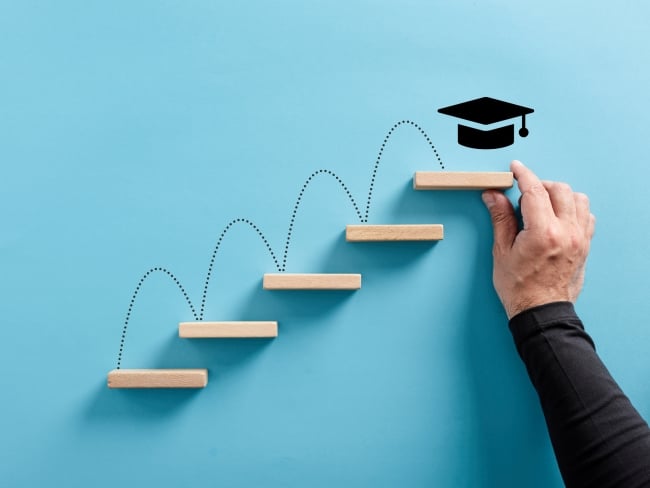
(227, 330)
(158, 378)
(378, 233)
(311, 281)
(462, 180)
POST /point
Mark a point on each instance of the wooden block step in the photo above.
(377, 233)
(227, 330)
(158, 378)
(311, 281)
(462, 180)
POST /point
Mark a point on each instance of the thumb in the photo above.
(503, 218)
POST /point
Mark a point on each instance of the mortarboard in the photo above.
(486, 111)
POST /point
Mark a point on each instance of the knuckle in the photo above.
(592, 226)
(537, 189)
(576, 243)
(581, 198)
(553, 236)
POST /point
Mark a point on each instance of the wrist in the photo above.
(522, 304)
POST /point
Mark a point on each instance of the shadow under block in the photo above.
(379, 233)
(462, 180)
(158, 378)
(331, 281)
(227, 330)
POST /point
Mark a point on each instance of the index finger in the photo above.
(536, 208)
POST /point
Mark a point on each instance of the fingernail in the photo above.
(488, 198)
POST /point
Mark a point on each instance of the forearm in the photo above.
(598, 437)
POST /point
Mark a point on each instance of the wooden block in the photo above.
(215, 330)
(332, 281)
(462, 180)
(375, 233)
(158, 378)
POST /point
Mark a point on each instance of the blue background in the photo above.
(131, 133)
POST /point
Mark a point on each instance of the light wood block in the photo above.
(376, 233)
(226, 330)
(462, 180)
(332, 281)
(158, 378)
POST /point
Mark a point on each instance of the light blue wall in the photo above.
(131, 133)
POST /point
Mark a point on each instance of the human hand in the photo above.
(545, 261)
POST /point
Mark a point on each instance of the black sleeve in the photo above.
(599, 439)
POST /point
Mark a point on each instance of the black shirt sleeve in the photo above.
(599, 439)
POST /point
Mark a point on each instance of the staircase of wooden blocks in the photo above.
(198, 378)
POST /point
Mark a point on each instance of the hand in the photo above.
(545, 261)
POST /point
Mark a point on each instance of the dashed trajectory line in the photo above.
(362, 215)
(134, 296)
(381, 153)
(216, 250)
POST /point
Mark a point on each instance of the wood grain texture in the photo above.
(313, 281)
(227, 330)
(158, 378)
(378, 233)
(462, 180)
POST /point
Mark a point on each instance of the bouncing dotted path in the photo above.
(197, 378)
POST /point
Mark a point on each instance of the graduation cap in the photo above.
(486, 111)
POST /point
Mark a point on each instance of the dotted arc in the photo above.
(134, 296)
(216, 250)
(381, 153)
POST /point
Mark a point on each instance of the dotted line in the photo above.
(135, 294)
(216, 249)
(292, 221)
(381, 153)
(363, 217)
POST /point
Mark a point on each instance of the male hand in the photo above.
(545, 261)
